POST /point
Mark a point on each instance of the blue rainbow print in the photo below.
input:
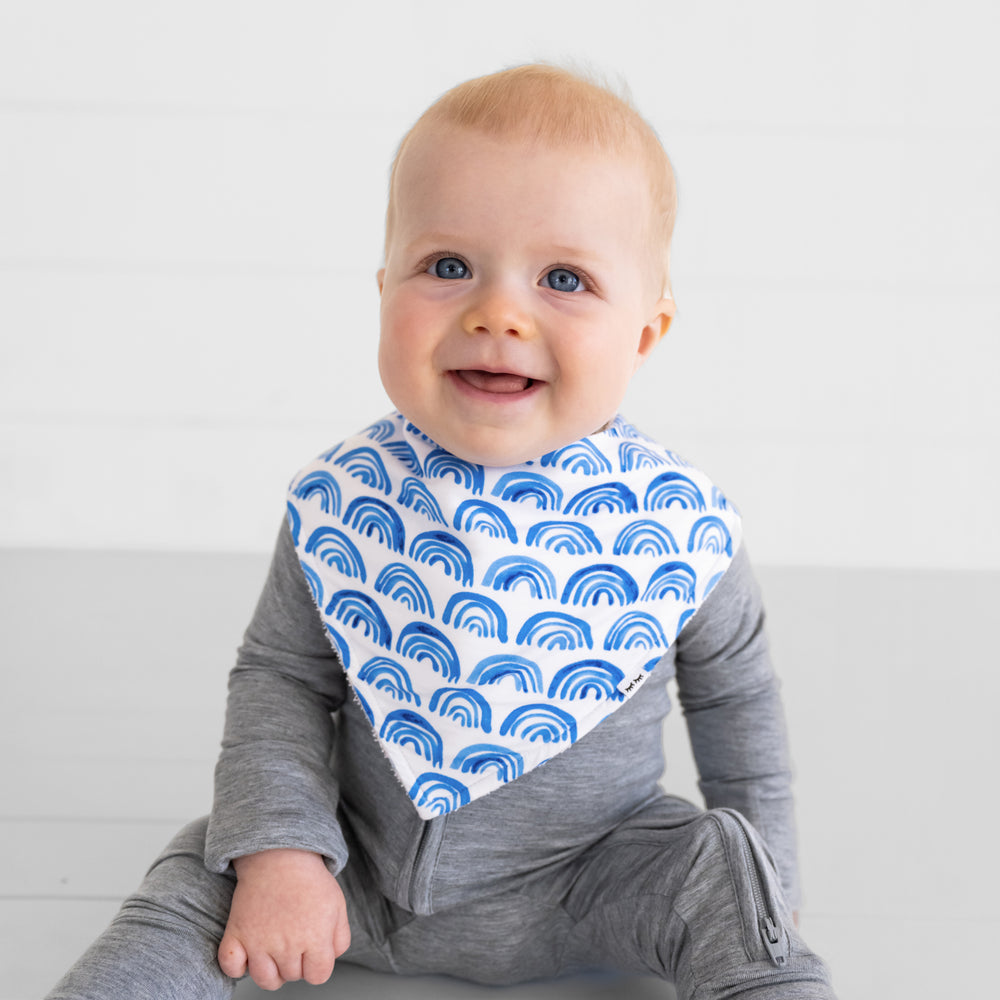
(620, 427)
(420, 641)
(314, 582)
(481, 515)
(582, 457)
(544, 722)
(405, 455)
(335, 549)
(322, 485)
(381, 430)
(365, 707)
(710, 534)
(602, 581)
(588, 677)
(615, 498)
(438, 793)
(339, 645)
(481, 757)
(635, 454)
(636, 630)
(495, 616)
(417, 497)
(439, 547)
(294, 522)
(328, 456)
(462, 705)
(525, 487)
(719, 500)
(673, 488)
(477, 614)
(374, 518)
(555, 630)
(674, 578)
(402, 584)
(441, 464)
(357, 610)
(385, 674)
(645, 538)
(412, 428)
(408, 728)
(509, 572)
(498, 668)
(571, 537)
(366, 464)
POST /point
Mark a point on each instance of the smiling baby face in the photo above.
(518, 294)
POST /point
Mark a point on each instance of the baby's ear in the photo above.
(654, 331)
(380, 278)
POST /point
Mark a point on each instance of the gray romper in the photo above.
(581, 863)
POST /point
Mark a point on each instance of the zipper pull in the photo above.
(772, 937)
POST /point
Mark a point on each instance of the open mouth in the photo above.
(501, 383)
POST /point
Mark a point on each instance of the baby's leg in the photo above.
(162, 944)
(692, 897)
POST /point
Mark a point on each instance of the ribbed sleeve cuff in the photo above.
(266, 800)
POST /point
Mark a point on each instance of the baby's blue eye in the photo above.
(562, 280)
(450, 267)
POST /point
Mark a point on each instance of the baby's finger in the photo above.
(341, 937)
(289, 966)
(264, 972)
(317, 966)
(232, 957)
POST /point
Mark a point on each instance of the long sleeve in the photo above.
(731, 701)
(273, 783)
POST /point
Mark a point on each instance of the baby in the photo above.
(443, 738)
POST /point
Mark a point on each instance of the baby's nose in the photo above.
(498, 312)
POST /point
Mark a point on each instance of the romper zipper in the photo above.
(771, 933)
(771, 936)
(424, 862)
(415, 893)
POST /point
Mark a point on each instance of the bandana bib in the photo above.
(490, 618)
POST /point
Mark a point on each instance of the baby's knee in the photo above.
(178, 889)
(729, 879)
(738, 926)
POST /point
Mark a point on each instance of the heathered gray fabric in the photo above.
(583, 862)
(667, 893)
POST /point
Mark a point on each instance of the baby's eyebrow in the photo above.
(432, 239)
(573, 251)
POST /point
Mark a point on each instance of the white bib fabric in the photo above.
(489, 618)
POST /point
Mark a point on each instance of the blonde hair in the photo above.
(557, 107)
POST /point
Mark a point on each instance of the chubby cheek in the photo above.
(407, 326)
(392, 367)
(601, 369)
(405, 361)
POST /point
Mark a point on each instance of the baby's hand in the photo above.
(288, 920)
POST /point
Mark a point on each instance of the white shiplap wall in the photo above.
(190, 211)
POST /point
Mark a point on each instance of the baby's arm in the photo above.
(735, 717)
(288, 920)
(275, 811)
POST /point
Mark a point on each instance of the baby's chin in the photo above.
(488, 447)
(501, 444)
(493, 457)
(498, 448)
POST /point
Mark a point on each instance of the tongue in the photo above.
(502, 382)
